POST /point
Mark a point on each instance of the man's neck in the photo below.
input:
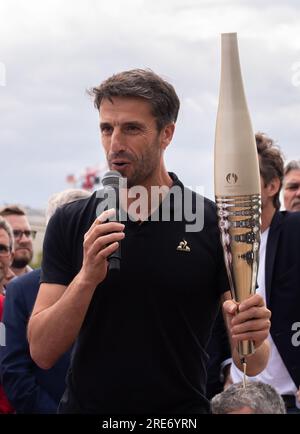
(150, 202)
(20, 271)
(267, 216)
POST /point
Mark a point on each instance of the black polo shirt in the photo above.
(141, 348)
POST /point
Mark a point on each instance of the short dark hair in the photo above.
(141, 83)
(11, 210)
(271, 162)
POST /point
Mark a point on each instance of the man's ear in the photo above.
(167, 135)
(12, 255)
(273, 187)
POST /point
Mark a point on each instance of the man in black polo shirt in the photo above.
(141, 334)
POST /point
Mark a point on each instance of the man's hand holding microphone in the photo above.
(100, 241)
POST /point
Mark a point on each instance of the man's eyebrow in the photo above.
(126, 123)
(292, 183)
(104, 124)
(137, 123)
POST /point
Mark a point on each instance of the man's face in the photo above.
(268, 191)
(23, 243)
(291, 193)
(5, 256)
(264, 193)
(131, 142)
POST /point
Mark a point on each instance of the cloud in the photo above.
(53, 50)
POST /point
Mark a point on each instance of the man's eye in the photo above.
(106, 130)
(293, 187)
(132, 128)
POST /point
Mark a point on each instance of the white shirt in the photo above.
(275, 372)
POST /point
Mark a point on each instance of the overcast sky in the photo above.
(51, 51)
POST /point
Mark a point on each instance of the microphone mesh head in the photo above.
(111, 178)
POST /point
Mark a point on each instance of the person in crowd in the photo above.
(255, 398)
(140, 333)
(23, 236)
(279, 279)
(6, 253)
(6, 256)
(291, 186)
(5, 406)
(29, 388)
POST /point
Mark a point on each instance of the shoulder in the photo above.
(78, 208)
(27, 279)
(289, 220)
(292, 217)
(26, 284)
(202, 204)
(208, 205)
(73, 217)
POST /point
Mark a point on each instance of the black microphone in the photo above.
(111, 184)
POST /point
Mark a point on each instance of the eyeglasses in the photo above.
(4, 250)
(29, 234)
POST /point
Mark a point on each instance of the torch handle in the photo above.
(245, 348)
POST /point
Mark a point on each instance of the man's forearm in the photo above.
(52, 331)
(255, 362)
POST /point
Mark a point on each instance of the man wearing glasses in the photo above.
(23, 236)
(6, 252)
(291, 185)
(6, 256)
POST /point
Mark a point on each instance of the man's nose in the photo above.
(298, 192)
(24, 238)
(117, 141)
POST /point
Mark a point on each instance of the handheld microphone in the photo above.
(111, 184)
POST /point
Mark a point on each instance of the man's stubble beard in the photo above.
(22, 261)
(296, 205)
(146, 166)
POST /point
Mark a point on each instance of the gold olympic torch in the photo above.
(237, 181)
